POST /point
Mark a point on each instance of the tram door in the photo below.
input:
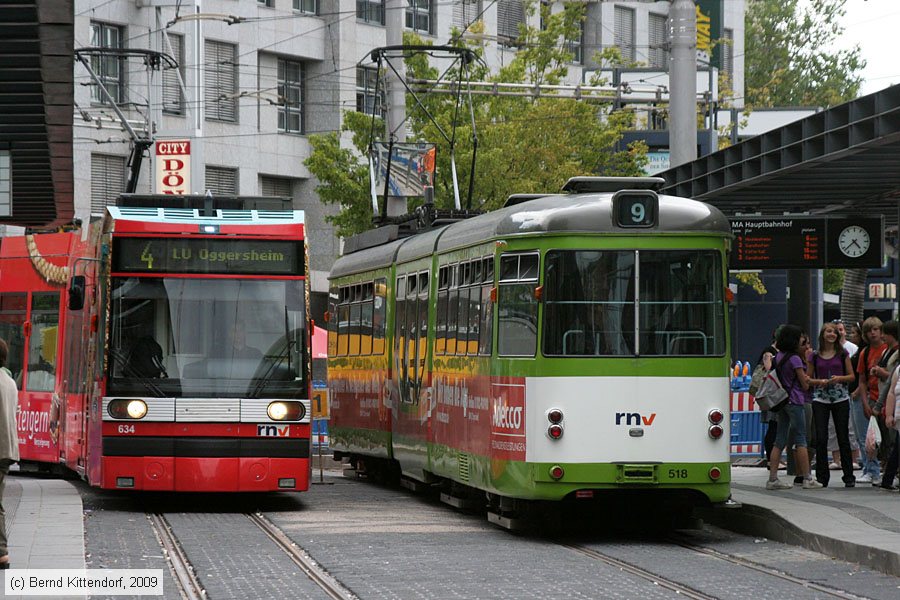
(411, 336)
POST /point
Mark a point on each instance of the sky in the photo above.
(875, 26)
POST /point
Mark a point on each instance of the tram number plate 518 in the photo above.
(678, 473)
(126, 428)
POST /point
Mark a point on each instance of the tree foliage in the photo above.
(524, 144)
(789, 56)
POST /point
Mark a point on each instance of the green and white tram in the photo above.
(567, 346)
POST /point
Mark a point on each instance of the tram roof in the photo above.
(842, 160)
(196, 216)
(557, 213)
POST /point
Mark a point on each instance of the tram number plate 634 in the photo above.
(678, 473)
(126, 428)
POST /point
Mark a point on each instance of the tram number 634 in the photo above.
(678, 473)
(126, 428)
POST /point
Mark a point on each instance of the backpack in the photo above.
(770, 394)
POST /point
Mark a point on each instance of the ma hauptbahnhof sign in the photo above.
(806, 242)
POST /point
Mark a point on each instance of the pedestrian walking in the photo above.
(791, 371)
(830, 373)
(9, 440)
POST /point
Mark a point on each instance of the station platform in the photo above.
(860, 524)
(44, 523)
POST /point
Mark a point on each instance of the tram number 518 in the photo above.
(678, 473)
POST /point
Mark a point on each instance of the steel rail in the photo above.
(749, 564)
(331, 586)
(189, 586)
(678, 588)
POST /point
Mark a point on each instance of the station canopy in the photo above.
(842, 161)
(36, 108)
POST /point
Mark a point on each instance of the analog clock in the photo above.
(854, 241)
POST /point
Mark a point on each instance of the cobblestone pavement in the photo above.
(385, 543)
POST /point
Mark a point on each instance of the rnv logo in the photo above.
(634, 419)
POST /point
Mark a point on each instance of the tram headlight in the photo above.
(127, 409)
(286, 411)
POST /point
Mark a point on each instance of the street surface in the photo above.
(381, 543)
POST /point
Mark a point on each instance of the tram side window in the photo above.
(517, 306)
(355, 327)
(443, 297)
(12, 330)
(452, 309)
(487, 278)
(333, 321)
(343, 332)
(379, 316)
(42, 342)
(365, 320)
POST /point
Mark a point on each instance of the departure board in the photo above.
(778, 243)
(807, 242)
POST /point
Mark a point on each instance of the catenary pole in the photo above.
(683, 81)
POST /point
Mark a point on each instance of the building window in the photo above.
(419, 16)
(658, 55)
(307, 6)
(221, 81)
(109, 68)
(624, 32)
(465, 12)
(576, 46)
(510, 14)
(278, 187)
(222, 181)
(5, 184)
(366, 100)
(268, 3)
(107, 180)
(173, 99)
(727, 54)
(290, 93)
(370, 11)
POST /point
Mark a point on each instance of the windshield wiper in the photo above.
(263, 381)
(127, 369)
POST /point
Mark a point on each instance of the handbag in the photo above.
(771, 395)
(759, 373)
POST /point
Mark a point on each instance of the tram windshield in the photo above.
(207, 338)
(590, 307)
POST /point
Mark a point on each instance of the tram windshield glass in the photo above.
(590, 308)
(206, 338)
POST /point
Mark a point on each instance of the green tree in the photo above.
(524, 144)
(790, 58)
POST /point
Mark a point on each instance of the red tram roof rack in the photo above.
(201, 202)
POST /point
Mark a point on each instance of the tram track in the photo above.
(749, 564)
(331, 586)
(189, 585)
(691, 592)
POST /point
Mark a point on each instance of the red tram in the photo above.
(163, 349)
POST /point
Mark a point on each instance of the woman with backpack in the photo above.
(791, 371)
(830, 374)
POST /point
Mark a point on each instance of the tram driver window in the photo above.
(516, 305)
